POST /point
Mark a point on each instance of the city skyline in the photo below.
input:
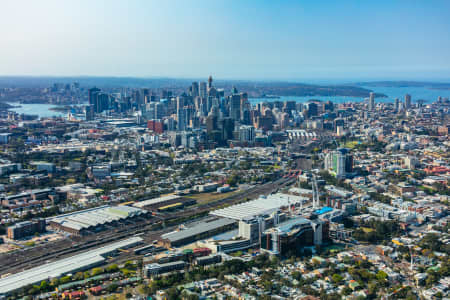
(252, 40)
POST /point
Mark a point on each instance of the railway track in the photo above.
(16, 262)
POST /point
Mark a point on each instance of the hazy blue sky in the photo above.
(230, 39)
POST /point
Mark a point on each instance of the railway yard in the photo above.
(149, 228)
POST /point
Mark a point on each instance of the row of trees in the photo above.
(378, 231)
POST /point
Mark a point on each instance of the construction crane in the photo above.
(315, 189)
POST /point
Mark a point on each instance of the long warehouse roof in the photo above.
(63, 266)
(96, 216)
(197, 229)
(260, 206)
(154, 201)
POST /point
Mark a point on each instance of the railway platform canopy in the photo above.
(64, 266)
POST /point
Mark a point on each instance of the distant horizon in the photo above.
(318, 81)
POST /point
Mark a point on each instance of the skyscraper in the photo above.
(202, 89)
(235, 107)
(246, 133)
(181, 119)
(312, 109)
(372, 101)
(194, 89)
(397, 104)
(407, 101)
(210, 80)
(102, 102)
(92, 93)
(339, 162)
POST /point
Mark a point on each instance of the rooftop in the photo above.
(63, 266)
(200, 228)
(260, 206)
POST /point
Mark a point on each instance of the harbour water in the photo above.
(426, 94)
(41, 110)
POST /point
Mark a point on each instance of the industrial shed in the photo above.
(94, 219)
(64, 266)
(198, 231)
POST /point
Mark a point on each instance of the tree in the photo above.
(112, 287)
(346, 291)
(173, 293)
(44, 286)
(112, 268)
(97, 271)
(64, 279)
(78, 276)
(337, 278)
(381, 276)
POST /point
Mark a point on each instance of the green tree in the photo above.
(337, 278)
(97, 271)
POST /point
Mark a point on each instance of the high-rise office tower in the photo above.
(244, 109)
(397, 104)
(372, 101)
(210, 80)
(312, 109)
(328, 106)
(160, 110)
(235, 107)
(227, 125)
(102, 102)
(211, 123)
(194, 89)
(181, 120)
(407, 101)
(145, 95)
(92, 94)
(89, 112)
(202, 89)
(288, 107)
(339, 162)
(246, 133)
(180, 103)
(137, 98)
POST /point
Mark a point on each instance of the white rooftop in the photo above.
(63, 266)
(260, 206)
(155, 201)
(95, 216)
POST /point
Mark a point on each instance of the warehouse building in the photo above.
(64, 266)
(164, 201)
(94, 219)
(199, 231)
(261, 206)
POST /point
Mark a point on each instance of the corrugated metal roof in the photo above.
(257, 207)
(197, 229)
(155, 201)
(62, 266)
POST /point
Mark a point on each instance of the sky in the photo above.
(230, 39)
